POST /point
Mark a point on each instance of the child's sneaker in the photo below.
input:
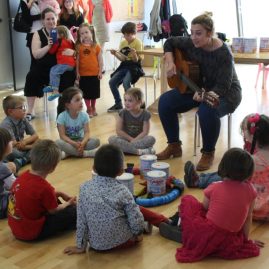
(147, 227)
(191, 177)
(47, 89)
(20, 162)
(146, 151)
(170, 232)
(54, 96)
(174, 219)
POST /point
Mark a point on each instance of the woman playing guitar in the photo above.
(218, 79)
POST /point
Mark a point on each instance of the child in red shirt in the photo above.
(64, 62)
(34, 210)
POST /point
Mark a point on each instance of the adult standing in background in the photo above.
(70, 15)
(34, 19)
(101, 16)
(218, 76)
(38, 76)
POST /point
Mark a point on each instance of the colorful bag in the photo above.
(20, 22)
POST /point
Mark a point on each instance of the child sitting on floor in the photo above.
(34, 210)
(6, 171)
(73, 126)
(220, 225)
(108, 216)
(18, 126)
(132, 127)
(255, 131)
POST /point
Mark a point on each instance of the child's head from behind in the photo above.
(129, 31)
(86, 34)
(45, 155)
(109, 161)
(5, 143)
(133, 98)
(63, 32)
(71, 99)
(14, 106)
(236, 164)
(255, 129)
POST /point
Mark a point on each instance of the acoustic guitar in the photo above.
(188, 77)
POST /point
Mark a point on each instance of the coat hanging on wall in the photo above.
(159, 19)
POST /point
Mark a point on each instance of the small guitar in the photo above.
(187, 75)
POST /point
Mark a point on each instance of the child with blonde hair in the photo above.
(73, 126)
(133, 125)
(89, 66)
(64, 62)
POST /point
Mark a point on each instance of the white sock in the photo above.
(64, 155)
(89, 153)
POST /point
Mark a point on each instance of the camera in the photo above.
(53, 35)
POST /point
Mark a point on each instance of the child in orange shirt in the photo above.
(89, 66)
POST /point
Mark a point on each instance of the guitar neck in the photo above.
(188, 82)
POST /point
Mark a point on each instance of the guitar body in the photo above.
(187, 80)
(189, 69)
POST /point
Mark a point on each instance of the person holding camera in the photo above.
(38, 76)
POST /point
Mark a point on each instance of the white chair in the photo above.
(196, 143)
(153, 76)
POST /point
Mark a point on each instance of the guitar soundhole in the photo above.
(194, 75)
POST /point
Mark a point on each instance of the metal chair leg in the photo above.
(229, 129)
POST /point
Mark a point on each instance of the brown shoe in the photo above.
(206, 161)
(171, 151)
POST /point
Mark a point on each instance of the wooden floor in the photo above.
(154, 251)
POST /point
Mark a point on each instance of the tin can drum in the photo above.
(127, 179)
(156, 182)
(145, 164)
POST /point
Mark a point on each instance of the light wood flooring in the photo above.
(154, 251)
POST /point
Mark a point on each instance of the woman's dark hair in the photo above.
(66, 97)
(5, 138)
(108, 161)
(129, 28)
(236, 164)
(48, 10)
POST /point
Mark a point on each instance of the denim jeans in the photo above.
(122, 76)
(55, 74)
(205, 179)
(173, 102)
